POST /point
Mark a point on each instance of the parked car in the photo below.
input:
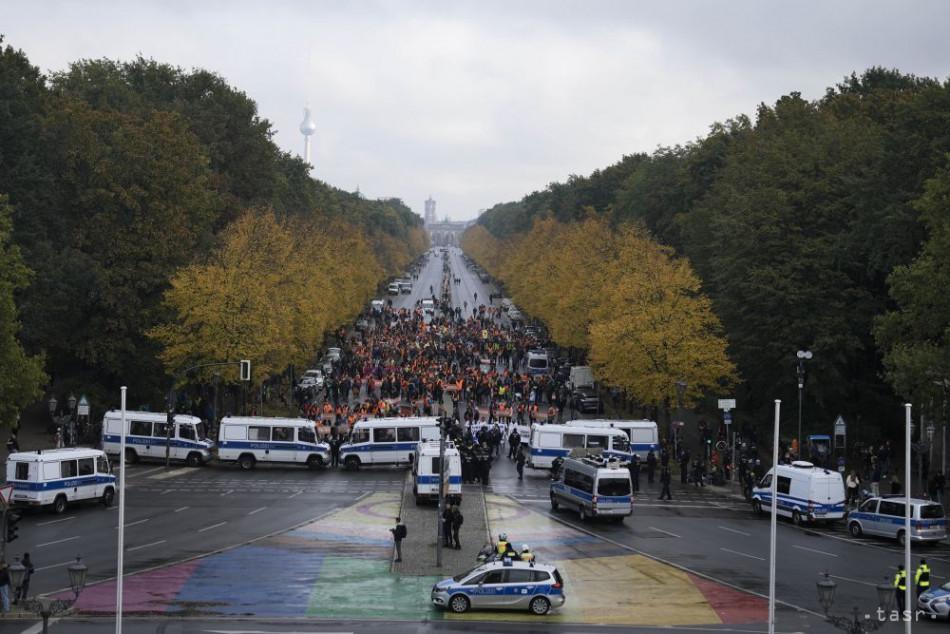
(311, 378)
(393, 289)
(586, 400)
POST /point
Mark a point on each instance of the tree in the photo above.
(21, 375)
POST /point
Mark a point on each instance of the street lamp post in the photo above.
(803, 355)
(46, 607)
(853, 624)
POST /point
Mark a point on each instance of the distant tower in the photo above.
(307, 128)
(430, 218)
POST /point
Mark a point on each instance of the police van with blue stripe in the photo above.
(146, 435)
(805, 493)
(248, 440)
(549, 442)
(643, 435)
(594, 487)
(387, 441)
(56, 477)
(505, 585)
(426, 472)
(885, 517)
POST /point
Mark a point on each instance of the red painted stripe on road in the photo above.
(732, 607)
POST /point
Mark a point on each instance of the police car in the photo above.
(935, 602)
(506, 585)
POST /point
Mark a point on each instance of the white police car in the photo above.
(935, 602)
(506, 585)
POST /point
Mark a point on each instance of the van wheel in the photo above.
(194, 459)
(459, 603)
(539, 606)
(108, 497)
(352, 463)
(582, 514)
(554, 504)
(757, 507)
(59, 504)
(131, 456)
(314, 462)
(796, 518)
(246, 461)
(901, 538)
(855, 529)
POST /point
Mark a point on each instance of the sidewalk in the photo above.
(419, 547)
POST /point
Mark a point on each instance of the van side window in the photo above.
(22, 471)
(766, 481)
(305, 434)
(140, 428)
(283, 434)
(359, 435)
(784, 484)
(520, 575)
(258, 433)
(384, 434)
(68, 469)
(597, 442)
(891, 508)
(572, 441)
(87, 466)
(408, 434)
(102, 464)
(160, 430)
(870, 506)
(570, 478)
(186, 432)
(539, 575)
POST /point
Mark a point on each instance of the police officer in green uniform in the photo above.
(900, 587)
(922, 577)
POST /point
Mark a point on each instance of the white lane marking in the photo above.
(262, 632)
(141, 473)
(135, 523)
(255, 511)
(863, 583)
(228, 492)
(161, 541)
(736, 552)
(51, 566)
(660, 530)
(65, 519)
(166, 491)
(38, 628)
(208, 528)
(174, 473)
(294, 495)
(179, 510)
(737, 532)
(812, 550)
(58, 541)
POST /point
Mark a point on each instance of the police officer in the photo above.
(502, 546)
(526, 554)
(520, 465)
(635, 473)
(651, 466)
(922, 577)
(665, 478)
(900, 587)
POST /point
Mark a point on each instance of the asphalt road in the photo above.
(180, 513)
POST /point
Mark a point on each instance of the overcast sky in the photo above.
(481, 102)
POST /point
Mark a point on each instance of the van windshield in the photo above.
(621, 443)
(538, 362)
(613, 486)
(931, 512)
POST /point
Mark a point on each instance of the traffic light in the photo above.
(13, 518)
(245, 370)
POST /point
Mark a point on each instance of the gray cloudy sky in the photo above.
(481, 102)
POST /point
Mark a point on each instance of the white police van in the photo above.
(643, 434)
(425, 471)
(548, 442)
(594, 487)
(56, 477)
(387, 441)
(538, 362)
(506, 585)
(805, 493)
(885, 516)
(146, 436)
(248, 440)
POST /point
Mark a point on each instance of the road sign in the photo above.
(83, 408)
(727, 417)
(727, 404)
(6, 494)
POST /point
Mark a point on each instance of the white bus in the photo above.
(386, 440)
(548, 442)
(643, 434)
(146, 434)
(425, 471)
(248, 440)
(56, 477)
